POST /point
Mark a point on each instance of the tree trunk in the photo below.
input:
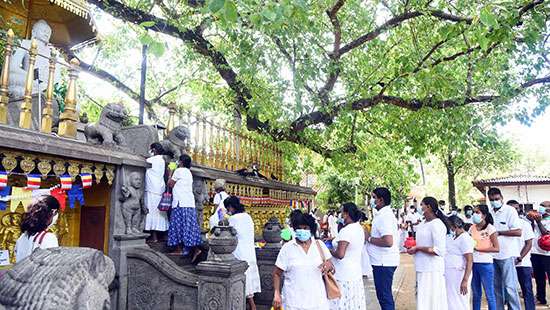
(451, 181)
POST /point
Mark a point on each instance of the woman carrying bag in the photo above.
(305, 264)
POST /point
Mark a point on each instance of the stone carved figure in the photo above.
(108, 130)
(133, 209)
(59, 278)
(200, 192)
(176, 142)
(19, 64)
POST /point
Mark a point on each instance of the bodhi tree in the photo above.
(322, 73)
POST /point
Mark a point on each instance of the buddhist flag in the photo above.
(33, 181)
(66, 181)
(86, 179)
(3, 179)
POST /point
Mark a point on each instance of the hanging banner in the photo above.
(33, 181)
(20, 195)
(3, 179)
(66, 181)
(86, 179)
(4, 192)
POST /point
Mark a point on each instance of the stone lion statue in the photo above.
(107, 130)
(176, 142)
(59, 278)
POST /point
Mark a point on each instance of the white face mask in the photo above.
(54, 220)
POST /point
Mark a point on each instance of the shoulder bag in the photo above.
(331, 286)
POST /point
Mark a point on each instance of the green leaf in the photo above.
(256, 19)
(147, 24)
(488, 18)
(230, 11)
(157, 49)
(272, 16)
(216, 5)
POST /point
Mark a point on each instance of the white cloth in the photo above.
(353, 296)
(456, 248)
(218, 202)
(154, 176)
(155, 219)
(366, 266)
(182, 193)
(303, 286)
(413, 218)
(431, 234)
(384, 223)
(25, 245)
(455, 300)
(333, 225)
(430, 294)
(536, 249)
(506, 218)
(243, 224)
(346, 268)
(482, 240)
(526, 234)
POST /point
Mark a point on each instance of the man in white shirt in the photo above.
(523, 262)
(219, 211)
(383, 247)
(412, 219)
(540, 257)
(508, 228)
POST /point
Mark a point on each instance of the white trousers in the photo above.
(430, 291)
(455, 300)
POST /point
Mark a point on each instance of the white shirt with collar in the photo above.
(303, 286)
(506, 218)
(526, 234)
(384, 224)
(182, 192)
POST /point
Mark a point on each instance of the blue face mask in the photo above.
(372, 203)
(303, 234)
(476, 218)
(497, 204)
(542, 210)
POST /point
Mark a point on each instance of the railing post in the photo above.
(47, 112)
(4, 80)
(25, 115)
(68, 119)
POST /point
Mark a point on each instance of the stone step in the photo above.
(183, 261)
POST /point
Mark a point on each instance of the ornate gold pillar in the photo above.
(68, 119)
(4, 80)
(25, 116)
(47, 112)
(171, 119)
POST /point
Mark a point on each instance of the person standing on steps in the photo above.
(155, 221)
(219, 198)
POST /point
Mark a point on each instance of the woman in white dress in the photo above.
(155, 221)
(220, 211)
(347, 260)
(41, 214)
(300, 261)
(458, 265)
(242, 222)
(428, 257)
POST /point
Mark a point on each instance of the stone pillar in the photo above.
(221, 277)
(266, 258)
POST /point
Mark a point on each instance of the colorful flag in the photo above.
(4, 192)
(75, 194)
(3, 179)
(86, 179)
(66, 181)
(61, 197)
(33, 181)
(20, 195)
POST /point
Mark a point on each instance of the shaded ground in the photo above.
(404, 288)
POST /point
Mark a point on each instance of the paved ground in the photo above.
(404, 288)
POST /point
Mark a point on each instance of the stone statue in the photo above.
(107, 130)
(59, 278)
(133, 209)
(200, 191)
(19, 64)
(176, 142)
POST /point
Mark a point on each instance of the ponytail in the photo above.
(432, 203)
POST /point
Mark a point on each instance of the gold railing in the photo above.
(218, 146)
(67, 119)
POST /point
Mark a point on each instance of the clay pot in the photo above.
(223, 240)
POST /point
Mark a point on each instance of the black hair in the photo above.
(433, 204)
(157, 147)
(363, 216)
(351, 209)
(456, 222)
(441, 202)
(39, 214)
(494, 191)
(468, 207)
(235, 203)
(484, 209)
(185, 161)
(298, 218)
(512, 202)
(384, 193)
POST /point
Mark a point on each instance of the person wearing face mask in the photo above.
(156, 221)
(301, 262)
(468, 213)
(486, 242)
(245, 250)
(523, 262)
(346, 258)
(413, 220)
(458, 265)
(429, 257)
(41, 214)
(508, 228)
(383, 247)
(540, 257)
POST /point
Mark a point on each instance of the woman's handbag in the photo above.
(165, 202)
(331, 286)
